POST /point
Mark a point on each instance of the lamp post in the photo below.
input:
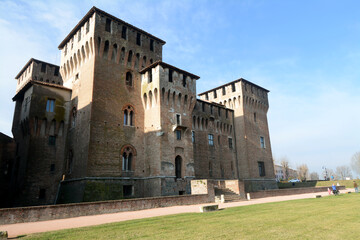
(325, 172)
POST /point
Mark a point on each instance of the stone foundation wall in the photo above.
(42, 213)
(254, 185)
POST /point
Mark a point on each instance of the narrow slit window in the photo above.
(170, 75)
(108, 25)
(151, 45)
(123, 32)
(43, 67)
(138, 39)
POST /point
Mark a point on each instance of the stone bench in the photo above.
(209, 208)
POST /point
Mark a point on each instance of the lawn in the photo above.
(346, 183)
(333, 217)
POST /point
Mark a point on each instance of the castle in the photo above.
(114, 121)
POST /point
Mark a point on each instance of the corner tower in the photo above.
(101, 60)
(250, 105)
(168, 96)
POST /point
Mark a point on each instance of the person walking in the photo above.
(356, 187)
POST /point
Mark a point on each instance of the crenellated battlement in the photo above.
(40, 71)
(178, 87)
(238, 93)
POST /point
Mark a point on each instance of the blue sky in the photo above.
(307, 53)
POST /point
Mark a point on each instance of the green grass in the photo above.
(333, 217)
(346, 183)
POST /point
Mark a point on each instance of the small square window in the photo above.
(52, 168)
(230, 143)
(52, 140)
(178, 134)
(211, 139)
(127, 190)
(50, 105)
(262, 142)
(42, 193)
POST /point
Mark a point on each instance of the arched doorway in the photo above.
(178, 164)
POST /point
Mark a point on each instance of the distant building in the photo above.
(115, 121)
(280, 173)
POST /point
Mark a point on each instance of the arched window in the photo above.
(128, 155)
(129, 79)
(128, 115)
(131, 117)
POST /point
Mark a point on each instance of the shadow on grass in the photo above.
(17, 237)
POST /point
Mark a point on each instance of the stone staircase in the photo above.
(229, 195)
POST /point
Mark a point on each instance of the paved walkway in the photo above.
(52, 225)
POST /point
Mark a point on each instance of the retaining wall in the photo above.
(49, 212)
(291, 191)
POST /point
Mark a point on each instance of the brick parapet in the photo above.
(43, 213)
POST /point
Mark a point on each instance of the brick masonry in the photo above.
(43, 213)
(129, 125)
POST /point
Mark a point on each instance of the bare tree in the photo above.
(355, 162)
(285, 167)
(303, 172)
(314, 176)
(343, 172)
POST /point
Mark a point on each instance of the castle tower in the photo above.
(100, 61)
(250, 105)
(39, 128)
(169, 95)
